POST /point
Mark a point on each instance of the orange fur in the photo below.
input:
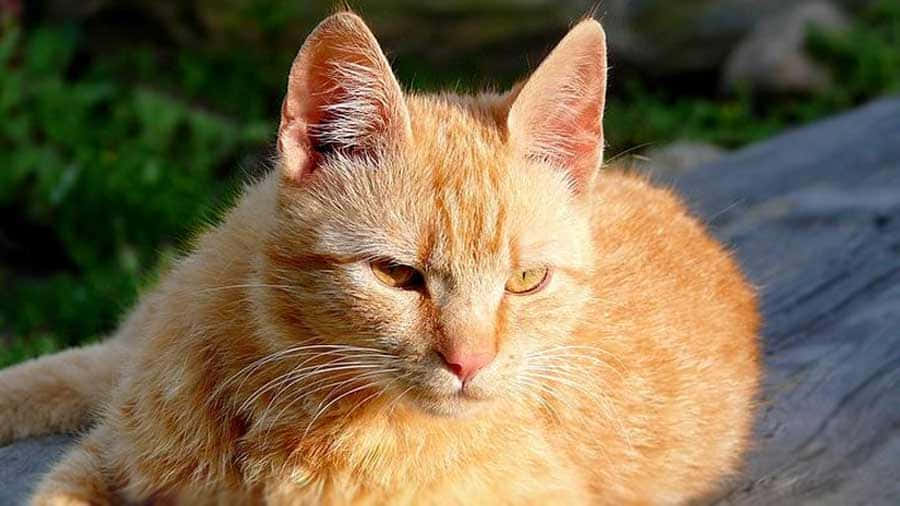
(628, 379)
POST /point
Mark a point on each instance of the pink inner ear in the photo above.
(294, 145)
(342, 96)
(558, 116)
(571, 132)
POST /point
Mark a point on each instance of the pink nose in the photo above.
(465, 364)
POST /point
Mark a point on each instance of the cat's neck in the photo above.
(384, 435)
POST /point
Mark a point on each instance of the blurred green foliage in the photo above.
(111, 163)
(113, 174)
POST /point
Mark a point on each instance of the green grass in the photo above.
(111, 161)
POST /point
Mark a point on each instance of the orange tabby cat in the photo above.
(435, 299)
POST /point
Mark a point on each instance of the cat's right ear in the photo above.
(341, 97)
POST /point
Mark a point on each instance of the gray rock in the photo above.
(22, 463)
(668, 37)
(773, 57)
(814, 217)
(665, 37)
(678, 158)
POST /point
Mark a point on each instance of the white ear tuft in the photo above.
(341, 97)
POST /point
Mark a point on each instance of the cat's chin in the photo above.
(451, 406)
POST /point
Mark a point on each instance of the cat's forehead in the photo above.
(468, 130)
(480, 206)
(456, 200)
(459, 150)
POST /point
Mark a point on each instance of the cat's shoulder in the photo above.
(623, 193)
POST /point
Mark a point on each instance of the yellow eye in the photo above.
(527, 281)
(397, 275)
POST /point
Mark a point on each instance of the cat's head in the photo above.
(436, 246)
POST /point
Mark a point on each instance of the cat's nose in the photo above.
(465, 364)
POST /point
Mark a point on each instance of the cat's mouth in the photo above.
(462, 401)
(435, 391)
(455, 406)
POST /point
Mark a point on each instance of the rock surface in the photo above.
(22, 463)
(814, 216)
(773, 57)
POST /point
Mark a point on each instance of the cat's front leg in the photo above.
(78, 479)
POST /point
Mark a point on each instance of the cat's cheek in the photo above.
(538, 328)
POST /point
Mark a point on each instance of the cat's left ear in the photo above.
(342, 97)
(557, 116)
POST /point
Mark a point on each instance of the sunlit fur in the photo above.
(270, 366)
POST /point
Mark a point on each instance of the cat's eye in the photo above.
(527, 281)
(397, 275)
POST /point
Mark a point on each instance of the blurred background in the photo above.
(127, 125)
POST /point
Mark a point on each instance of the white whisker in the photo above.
(322, 410)
(295, 375)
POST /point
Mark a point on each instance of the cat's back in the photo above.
(676, 324)
(645, 234)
